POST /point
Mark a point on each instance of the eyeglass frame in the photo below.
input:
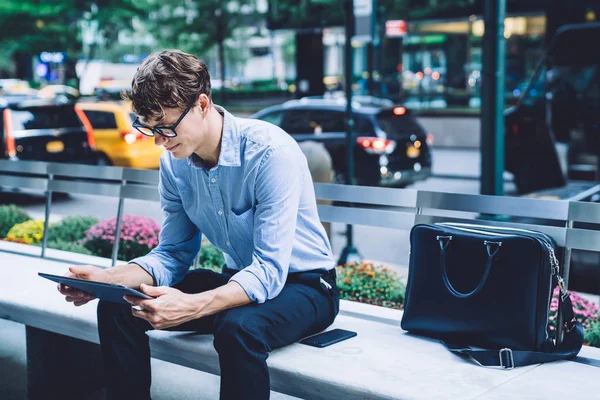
(157, 129)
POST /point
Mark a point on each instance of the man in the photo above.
(246, 186)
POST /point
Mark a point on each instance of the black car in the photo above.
(552, 135)
(45, 130)
(391, 146)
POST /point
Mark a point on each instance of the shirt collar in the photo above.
(230, 143)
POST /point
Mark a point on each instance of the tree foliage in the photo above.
(294, 14)
(32, 26)
(195, 26)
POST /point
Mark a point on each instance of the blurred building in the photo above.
(438, 63)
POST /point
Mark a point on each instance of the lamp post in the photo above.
(492, 99)
(349, 253)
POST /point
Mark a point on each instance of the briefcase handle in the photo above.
(444, 244)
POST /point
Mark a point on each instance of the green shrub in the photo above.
(11, 215)
(28, 232)
(592, 334)
(211, 257)
(73, 247)
(70, 229)
(367, 283)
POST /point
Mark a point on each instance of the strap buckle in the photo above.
(564, 294)
(510, 361)
(570, 325)
(441, 240)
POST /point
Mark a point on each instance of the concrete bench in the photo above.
(381, 362)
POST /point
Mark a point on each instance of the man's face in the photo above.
(190, 131)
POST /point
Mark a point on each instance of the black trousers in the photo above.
(243, 336)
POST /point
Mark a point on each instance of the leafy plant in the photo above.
(210, 257)
(592, 334)
(367, 283)
(69, 246)
(138, 236)
(11, 215)
(70, 229)
(28, 232)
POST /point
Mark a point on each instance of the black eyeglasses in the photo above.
(166, 131)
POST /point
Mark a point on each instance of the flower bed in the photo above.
(367, 283)
(11, 215)
(138, 236)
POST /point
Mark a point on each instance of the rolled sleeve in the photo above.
(179, 239)
(278, 189)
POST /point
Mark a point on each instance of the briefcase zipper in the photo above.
(460, 228)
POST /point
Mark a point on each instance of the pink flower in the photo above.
(134, 230)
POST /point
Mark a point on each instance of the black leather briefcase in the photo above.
(489, 287)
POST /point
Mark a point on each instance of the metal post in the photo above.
(492, 99)
(350, 142)
(565, 269)
(47, 215)
(370, 69)
(115, 250)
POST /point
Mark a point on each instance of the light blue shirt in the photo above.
(257, 205)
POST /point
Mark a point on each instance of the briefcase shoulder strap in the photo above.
(508, 358)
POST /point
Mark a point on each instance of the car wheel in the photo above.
(103, 160)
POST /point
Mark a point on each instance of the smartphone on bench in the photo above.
(328, 338)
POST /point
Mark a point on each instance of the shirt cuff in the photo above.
(253, 286)
(155, 268)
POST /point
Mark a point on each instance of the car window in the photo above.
(45, 118)
(330, 121)
(396, 126)
(313, 121)
(101, 119)
(364, 126)
(274, 117)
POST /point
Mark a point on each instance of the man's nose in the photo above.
(159, 140)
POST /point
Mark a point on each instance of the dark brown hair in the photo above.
(167, 79)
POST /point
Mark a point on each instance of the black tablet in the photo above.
(103, 291)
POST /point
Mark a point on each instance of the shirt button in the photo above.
(228, 244)
(220, 212)
(213, 180)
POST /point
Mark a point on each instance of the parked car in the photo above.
(45, 130)
(116, 141)
(552, 135)
(391, 148)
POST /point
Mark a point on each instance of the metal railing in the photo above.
(357, 205)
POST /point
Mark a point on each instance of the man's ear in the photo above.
(204, 102)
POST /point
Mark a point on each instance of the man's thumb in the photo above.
(81, 270)
(153, 291)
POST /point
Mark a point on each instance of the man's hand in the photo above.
(76, 296)
(170, 308)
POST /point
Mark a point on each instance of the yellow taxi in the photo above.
(116, 140)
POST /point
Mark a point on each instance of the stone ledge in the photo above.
(381, 362)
